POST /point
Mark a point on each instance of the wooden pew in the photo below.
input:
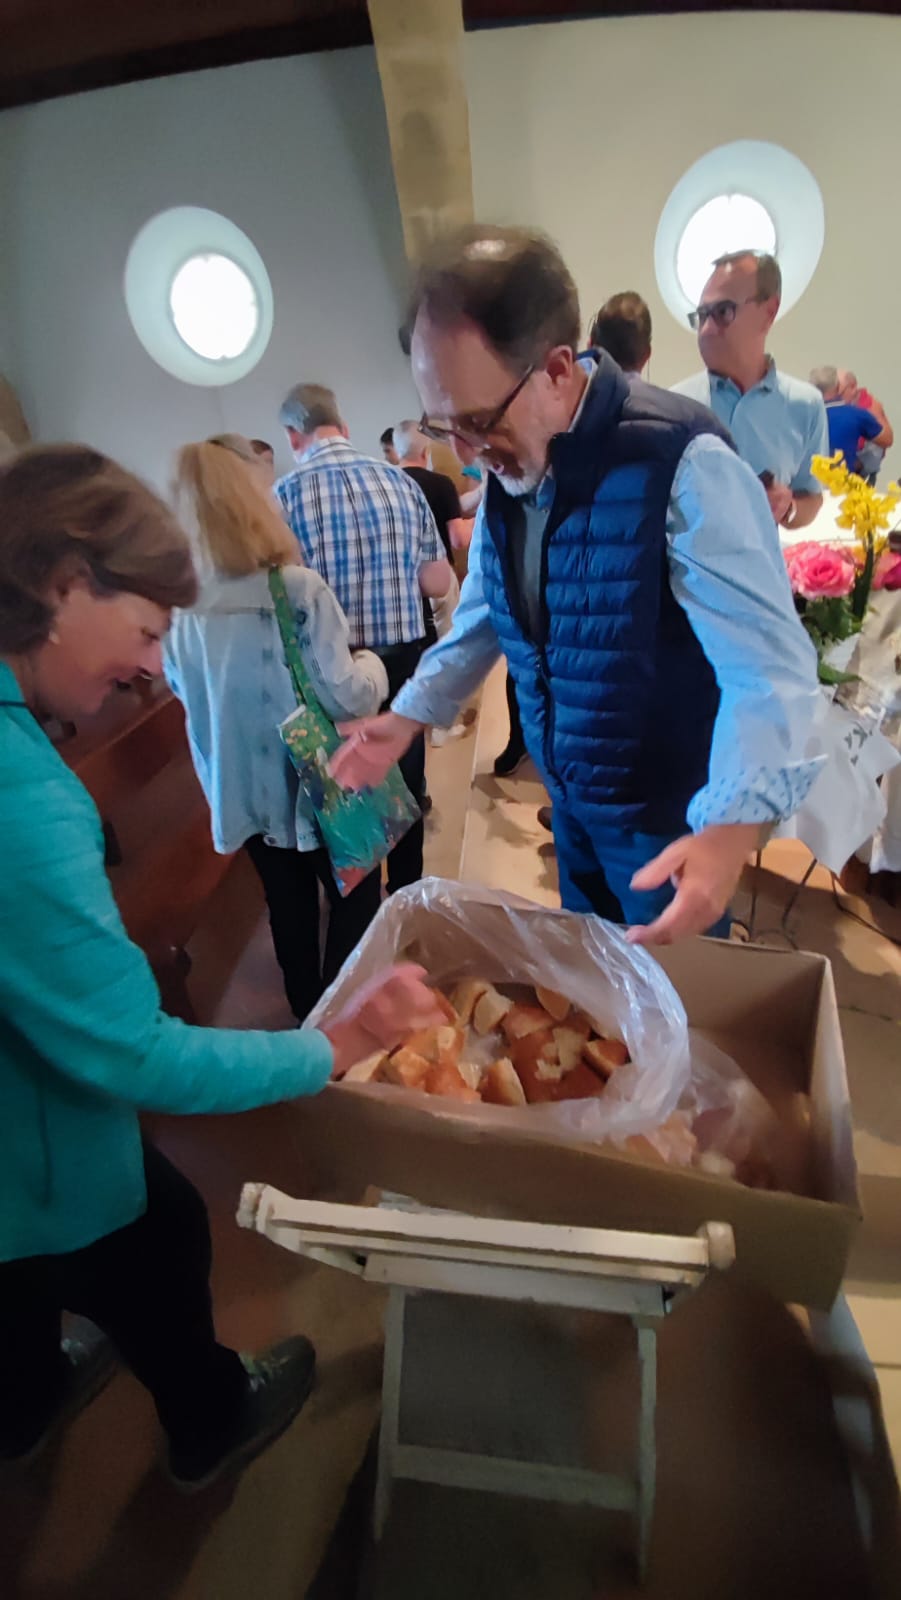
(133, 759)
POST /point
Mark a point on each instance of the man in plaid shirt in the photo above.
(366, 528)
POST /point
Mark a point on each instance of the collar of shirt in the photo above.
(764, 384)
(543, 493)
(323, 450)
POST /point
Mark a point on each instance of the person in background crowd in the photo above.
(471, 499)
(870, 456)
(624, 562)
(412, 450)
(778, 423)
(386, 441)
(622, 327)
(366, 528)
(225, 661)
(848, 423)
(266, 457)
(93, 1220)
(454, 531)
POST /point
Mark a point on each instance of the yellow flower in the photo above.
(861, 508)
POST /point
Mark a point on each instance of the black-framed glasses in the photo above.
(723, 312)
(471, 428)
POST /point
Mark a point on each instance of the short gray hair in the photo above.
(309, 406)
(825, 379)
(408, 440)
(769, 272)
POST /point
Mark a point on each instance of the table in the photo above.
(854, 808)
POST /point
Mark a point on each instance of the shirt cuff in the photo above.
(424, 702)
(760, 794)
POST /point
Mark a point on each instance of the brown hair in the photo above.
(233, 523)
(622, 327)
(512, 283)
(769, 272)
(66, 511)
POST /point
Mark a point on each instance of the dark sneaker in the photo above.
(280, 1382)
(510, 760)
(545, 817)
(91, 1362)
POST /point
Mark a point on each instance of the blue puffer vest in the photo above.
(617, 698)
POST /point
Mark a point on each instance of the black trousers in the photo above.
(291, 880)
(516, 738)
(405, 860)
(147, 1287)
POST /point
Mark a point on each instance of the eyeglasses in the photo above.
(723, 312)
(470, 428)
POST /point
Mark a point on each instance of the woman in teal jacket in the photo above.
(93, 1221)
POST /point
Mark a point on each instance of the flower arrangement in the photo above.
(832, 584)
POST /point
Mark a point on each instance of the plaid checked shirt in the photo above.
(366, 528)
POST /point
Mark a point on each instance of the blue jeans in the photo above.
(596, 873)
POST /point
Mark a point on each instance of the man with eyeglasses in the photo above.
(778, 423)
(623, 561)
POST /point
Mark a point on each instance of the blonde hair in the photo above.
(230, 518)
(68, 512)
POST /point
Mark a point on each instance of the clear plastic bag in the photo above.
(458, 930)
(731, 1119)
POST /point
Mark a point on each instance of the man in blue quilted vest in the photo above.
(624, 563)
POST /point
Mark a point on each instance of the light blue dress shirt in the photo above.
(727, 572)
(778, 425)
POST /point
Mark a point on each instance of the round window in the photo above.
(198, 295)
(214, 307)
(743, 196)
(727, 222)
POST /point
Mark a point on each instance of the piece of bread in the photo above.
(522, 1020)
(470, 1073)
(439, 1045)
(537, 1065)
(579, 1084)
(368, 1070)
(604, 1055)
(467, 995)
(489, 1010)
(569, 1044)
(556, 1005)
(500, 1085)
(446, 1081)
(406, 1068)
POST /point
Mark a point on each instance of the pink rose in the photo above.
(887, 573)
(816, 571)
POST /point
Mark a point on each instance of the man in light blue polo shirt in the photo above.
(778, 423)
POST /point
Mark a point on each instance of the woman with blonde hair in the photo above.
(93, 1219)
(225, 661)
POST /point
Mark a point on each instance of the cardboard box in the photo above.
(774, 1012)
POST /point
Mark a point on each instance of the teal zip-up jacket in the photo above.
(84, 1044)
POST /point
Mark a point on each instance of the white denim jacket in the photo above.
(224, 660)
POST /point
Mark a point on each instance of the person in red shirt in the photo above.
(870, 455)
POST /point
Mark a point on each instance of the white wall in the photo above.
(296, 153)
(584, 128)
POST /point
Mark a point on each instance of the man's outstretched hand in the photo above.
(371, 747)
(705, 868)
